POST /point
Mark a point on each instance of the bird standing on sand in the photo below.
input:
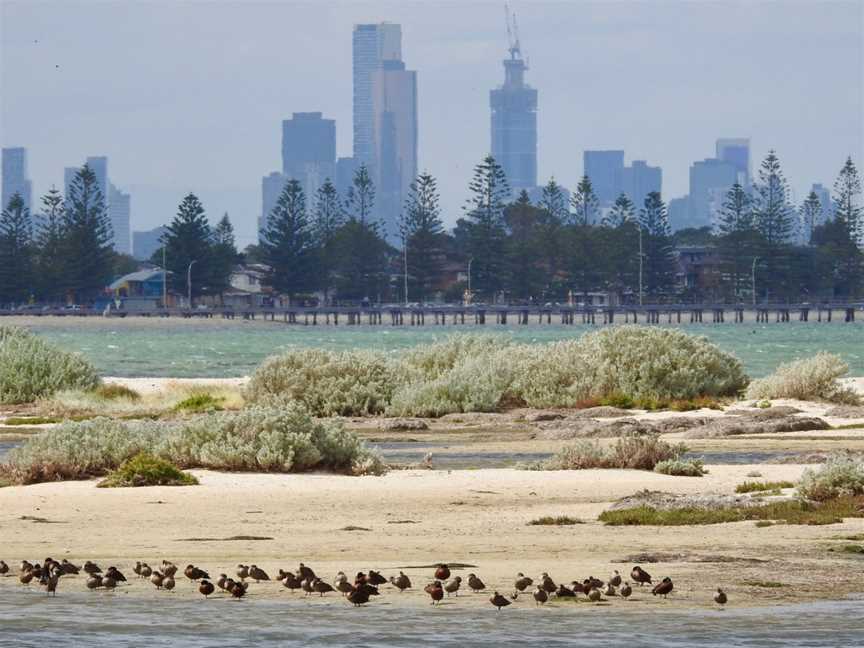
(564, 592)
(615, 581)
(475, 584)
(400, 582)
(52, 581)
(375, 578)
(114, 573)
(610, 590)
(523, 582)
(720, 597)
(540, 596)
(92, 568)
(499, 601)
(342, 585)
(4, 568)
(220, 582)
(435, 591)
(137, 568)
(108, 582)
(168, 568)
(663, 587)
(168, 583)
(194, 574)
(257, 574)
(626, 591)
(452, 587)
(442, 572)
(291, 582)
(25, 577)
(640, 576)
(94, 582)
(594, 595)
(157, 579)
(358, 596)
(206, 588)
(238, 590)
(321, 587)
(68, 568)
(305, 573)
(547, 583)
(242, 572)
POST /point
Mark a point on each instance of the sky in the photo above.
(189, 96)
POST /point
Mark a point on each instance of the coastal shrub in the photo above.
(329, 383)
(757, 486)
(680, 467)
(113, 391)
(286, 439)
(633, 453)
(146, 470)
(199, 402)
(31, 368)
(555, 520)
(839, 476)
(815, 378)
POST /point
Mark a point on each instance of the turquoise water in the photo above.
(30, 619)
(215, 348)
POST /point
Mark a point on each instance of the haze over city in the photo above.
(190, 97)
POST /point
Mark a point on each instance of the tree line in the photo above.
(503, 249)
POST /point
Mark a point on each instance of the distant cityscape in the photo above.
(385, 140)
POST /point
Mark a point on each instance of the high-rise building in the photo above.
(309, 150)
(709, 179)
(271, 186)
(15, 178)
(145, 243)
(514, 123)
(120, 212)
(736, 151)
(639, 179)
(678, 211)
(385, 117)
(605, 169)
(824, 195)
(345, 169)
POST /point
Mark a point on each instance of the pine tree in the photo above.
(287, 244)
(554, 202)
(327, 217)
(423, 236)
(484, 224)
(51, 273)
(223, 254)
(847, 206)
(622, 211)
(736, 236)
(658, 254)
(773, 220)
(360, 200)
(88, 252)
(585, 203)
(525, 246)
(810, 214)
(556, 214)
(16, 252)
(361, 262)
(188, 240)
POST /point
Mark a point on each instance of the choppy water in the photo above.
(233, 348)
(30, 619)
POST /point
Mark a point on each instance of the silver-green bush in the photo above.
(31, 368)
(839, 476)
(681, 467)
(815, 378)
(255, 439)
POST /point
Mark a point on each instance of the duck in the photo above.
(401, 582)
(69, 568)
(540, 596)
(26, 576)
(168, 568)
(626, 590)
(321, 587)
(25, 566)
(36, 570)
(147, 570)
(499, 600)
(242, 572)
(359, 579)
(108, 582)
(375, 578)
(157, 578)
(4, 568)
(610, 590)
(594, 595)
(578, 588)
(442, 572)
(168, 583)
(640, 576)
(615, 581)
(51, 582)
(452, 587)
(238, 590)
(720, 597)
(257, 574)
(523, 582)
(358, 595)
(94, 582)
(305, 572)
(115, 573)
(595, 583)
(435, 591)
(291, 582)
(564, 592)
(306, 585)
(475, 584)
(137, 568)
(345, 587)
(92, 568)
(194, 574)
(663, 587)
(220, 582)
(206, 588)
(547, 583)
(229, 584)
(371, 590)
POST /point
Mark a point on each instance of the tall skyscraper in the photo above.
(514, 122)
(710, 179)
(385, 117)
(271, 186)
(639, 179)
(605, 169)
(824, 195)
(120, 212)
(736, 151)
(145, 243)
(15, 178)
(309, 150)
(345, 169)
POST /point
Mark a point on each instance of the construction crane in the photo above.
(512, 32)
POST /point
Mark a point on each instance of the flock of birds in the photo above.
(49, 573)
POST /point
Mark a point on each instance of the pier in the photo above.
(481, 315)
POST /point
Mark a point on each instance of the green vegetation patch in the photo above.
(146, 470)
(763, 584)
(839, 476)
(199, 403)
(633, 453)
(559, 520)
(811, 379)
(757, 486)
(681, 467)
(792, 512)
(113, 391)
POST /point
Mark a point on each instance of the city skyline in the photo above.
(458, 48)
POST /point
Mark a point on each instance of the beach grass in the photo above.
(555, 520)
(758, 486)
(681, 467)
(763, 584)
(629, 453)
(146, 470)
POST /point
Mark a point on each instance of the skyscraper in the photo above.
(119, 212)
(15, 178)
(605, 169)
(309, 150)
(736, 151)
(639, 179)
(824, 195)
(514, 122)
(710, 179)
(145, 243)
(271, 186)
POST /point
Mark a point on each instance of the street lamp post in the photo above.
(641, 258)
(189, 282)
(164, 280)
(470, 261)
(405, 266)
(753, 279)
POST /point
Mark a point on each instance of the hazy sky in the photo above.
(190, 95)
